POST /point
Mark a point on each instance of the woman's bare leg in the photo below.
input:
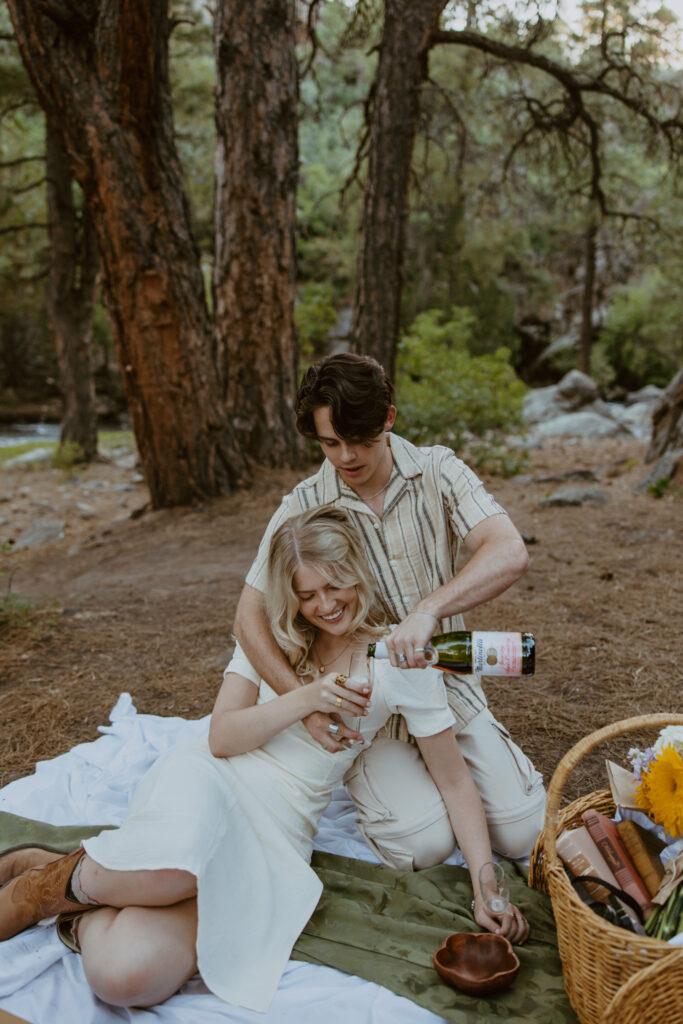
(159, 888)
(139, 956)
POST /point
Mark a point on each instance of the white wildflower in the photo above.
(672, 736)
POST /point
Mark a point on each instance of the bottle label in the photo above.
(496, 654)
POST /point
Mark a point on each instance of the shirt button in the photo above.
(377, 526)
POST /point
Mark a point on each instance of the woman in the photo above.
(210, 870)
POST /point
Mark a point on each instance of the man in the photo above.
(414, 508)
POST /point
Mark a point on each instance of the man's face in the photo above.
(359, 463)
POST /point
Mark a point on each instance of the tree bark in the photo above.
(255, 201)
(587, 298)
(394, 110)
(70, 298)
(667, 421)
(101, 73)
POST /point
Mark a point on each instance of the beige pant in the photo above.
(402, 815)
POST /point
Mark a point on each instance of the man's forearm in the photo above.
(497, 559)
(254, 636)
(495, 563)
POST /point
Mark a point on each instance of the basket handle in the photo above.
(578, 751)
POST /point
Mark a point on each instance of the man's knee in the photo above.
(515, 838)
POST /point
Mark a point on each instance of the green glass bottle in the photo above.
(486, 653)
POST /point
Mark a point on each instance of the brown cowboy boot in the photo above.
(67, 927)
(18, 859)
(38, 893)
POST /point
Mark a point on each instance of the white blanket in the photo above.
(41, 981)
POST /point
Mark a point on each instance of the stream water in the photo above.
(17, 433)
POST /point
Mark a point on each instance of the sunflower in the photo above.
(661, 791)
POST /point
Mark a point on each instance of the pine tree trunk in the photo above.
(587, 299)
(255, 256)
(667, 421)
(101, 73)
(392, 127)
(70, 298)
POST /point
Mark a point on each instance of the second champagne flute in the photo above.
(494, 887)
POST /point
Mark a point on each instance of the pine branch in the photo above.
(14, 228)
(575, 83)
(21, 160)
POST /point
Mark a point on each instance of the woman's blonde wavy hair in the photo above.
(326, 540)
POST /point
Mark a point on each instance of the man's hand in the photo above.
(407, 642)
(497, 557)
(318, 724)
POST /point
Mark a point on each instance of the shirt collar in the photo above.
(333, 487)
(405, 459)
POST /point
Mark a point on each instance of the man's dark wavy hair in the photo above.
(356, 390)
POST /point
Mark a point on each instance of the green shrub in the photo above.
(315, 318)
(497, 458)
(444, 394)
(14, 610)
(68, 454)
(642, 341)
(659, 488)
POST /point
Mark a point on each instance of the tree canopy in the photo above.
(369, 163)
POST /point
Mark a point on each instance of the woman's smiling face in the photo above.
(329, 608)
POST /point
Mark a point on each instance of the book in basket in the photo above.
(582, 857)
(604, 833)
(643, 848)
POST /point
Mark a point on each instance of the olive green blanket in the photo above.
(384, 925)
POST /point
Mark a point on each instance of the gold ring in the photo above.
(340, 680)
(339, 701)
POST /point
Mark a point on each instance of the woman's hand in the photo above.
(330, 699)
(511, 923)
(331, 695)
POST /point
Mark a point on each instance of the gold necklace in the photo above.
(331, 661)
(371, 497)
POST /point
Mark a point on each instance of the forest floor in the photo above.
(142, 601)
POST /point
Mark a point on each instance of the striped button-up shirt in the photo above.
(432, 502)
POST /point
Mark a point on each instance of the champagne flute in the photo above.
(359, 678)
(494, 888)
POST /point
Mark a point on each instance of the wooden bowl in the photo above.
(481, 964)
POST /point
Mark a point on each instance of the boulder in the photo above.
(542, 404)
(586, 423)
(650, 395)
(568, 496)
(577, 389)
(572, 475)
(41, 531)
(636, 418)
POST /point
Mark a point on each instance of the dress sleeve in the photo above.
(240, 664)
(419, 695)
(467, 500)
(257, 576)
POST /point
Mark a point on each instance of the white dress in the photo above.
(244, 826)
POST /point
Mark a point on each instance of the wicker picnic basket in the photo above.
(611, 975)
